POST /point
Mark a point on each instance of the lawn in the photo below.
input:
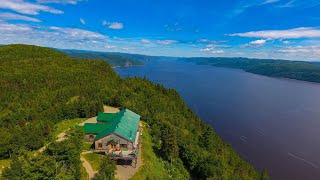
(4, 163)
(84, 174)
(153, 167)
(86, 146)
(94, 160)
(65, 125)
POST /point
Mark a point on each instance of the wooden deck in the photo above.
(115, 156)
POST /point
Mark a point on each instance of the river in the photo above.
(272, 123)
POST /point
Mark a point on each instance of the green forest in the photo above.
(299, 70)
(41, 87)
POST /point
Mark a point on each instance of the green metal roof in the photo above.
(124, 123)
(93, 128)
(106, 116)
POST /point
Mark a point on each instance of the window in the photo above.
(91, 137)
(123, 146)
(99, 145)
(113, 145)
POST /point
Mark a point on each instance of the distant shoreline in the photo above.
(113, 67)
(273, 77)
(293, 70)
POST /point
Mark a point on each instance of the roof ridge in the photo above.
(125, 123)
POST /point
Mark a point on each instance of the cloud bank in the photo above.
(24, 7)
(296, 33)
(12, 16)
(58, 1)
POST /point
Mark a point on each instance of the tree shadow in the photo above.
(125, 163)
(157, 152)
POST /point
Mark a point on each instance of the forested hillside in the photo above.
(299, 70)
(114, 60)
(41, 87)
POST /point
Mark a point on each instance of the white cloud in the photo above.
(300, 4)
(24, 7)
(13, 16)
(173, 27)
(113, 25)
(158, 42)
(208, 41)
(270, 1)
(58, 1)
(75, 33)
(116, 25)
(296, 33)
(57, 37)
(304, 53)
(145, 41)
(82, 21)
(104, 22)
(315, 50)
(165, 42)
(14, 28)
(217, 46)
(211, 49)
(110, 46)
(243, 6)
(127, 48)
(288, 4)
(258, 43)
(286, 42)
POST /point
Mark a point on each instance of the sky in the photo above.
(277, 29)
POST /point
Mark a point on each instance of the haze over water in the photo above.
(273, 123)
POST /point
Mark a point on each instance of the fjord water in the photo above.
(273, 123)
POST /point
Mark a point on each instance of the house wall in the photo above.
(106, 139)
(89, 137)
(138, 136)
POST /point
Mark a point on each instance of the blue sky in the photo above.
(280, 29)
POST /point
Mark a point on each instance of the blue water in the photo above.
(272, 123)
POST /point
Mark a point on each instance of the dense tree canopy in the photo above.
(169, 145)
(45, 87)
(106, 170)
(59, 161)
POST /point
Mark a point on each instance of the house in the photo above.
(114, 131)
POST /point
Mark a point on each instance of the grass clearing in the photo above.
(4, 163)
(86, 146)
(84, 175)
(153, 167)
(94, 160)
(65, 125)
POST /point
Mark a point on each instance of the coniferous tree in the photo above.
(106, 170)
(169, 146)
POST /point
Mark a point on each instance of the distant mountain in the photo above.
(145, 58)
(299, 70)
(317, 63)
(115, 59)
